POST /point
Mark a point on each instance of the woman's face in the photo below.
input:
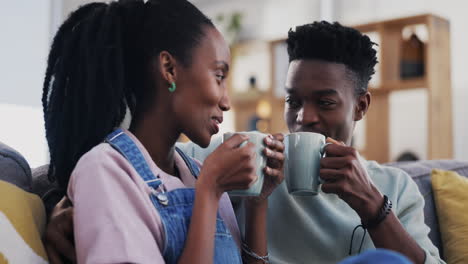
(201, 95)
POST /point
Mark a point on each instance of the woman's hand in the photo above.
(229, 167)
(274, 173)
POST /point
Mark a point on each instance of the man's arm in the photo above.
(58, 239)
(345, 176)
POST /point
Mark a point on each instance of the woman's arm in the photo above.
(255, 230)
(256, 208)
(228, 167)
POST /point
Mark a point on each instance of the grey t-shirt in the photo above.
(318, 229)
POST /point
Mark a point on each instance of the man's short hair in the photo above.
(338, 44)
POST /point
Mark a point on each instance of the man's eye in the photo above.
(326, 103)
(293, 103)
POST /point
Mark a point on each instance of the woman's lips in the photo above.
(215, 122)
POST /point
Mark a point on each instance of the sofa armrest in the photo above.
(14, 168)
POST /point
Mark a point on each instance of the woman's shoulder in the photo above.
(101, 164)
(102, 156)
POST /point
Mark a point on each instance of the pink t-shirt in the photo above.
(114, 218)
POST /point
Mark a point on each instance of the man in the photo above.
(326, 92)
(330, 67)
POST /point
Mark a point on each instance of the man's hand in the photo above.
(58, 239)
(345, 176)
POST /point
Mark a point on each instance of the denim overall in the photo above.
(174, 207)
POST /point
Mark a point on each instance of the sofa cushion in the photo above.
(22, 223)
(451, 196)
(420, 171)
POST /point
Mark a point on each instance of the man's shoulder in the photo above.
(387, 177)
(376, 168)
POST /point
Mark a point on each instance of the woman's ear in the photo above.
(168, 67)
(362, 105)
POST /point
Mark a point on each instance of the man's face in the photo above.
(320, 98)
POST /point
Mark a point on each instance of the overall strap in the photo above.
(125, 146)
(191, 163)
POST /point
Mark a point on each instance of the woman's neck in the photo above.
(159, 140)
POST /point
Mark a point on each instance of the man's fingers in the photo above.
(334, 162)
(54, 256)
(63, 245)
(332, 187)
(338, 149)
(334, 141)
(330, 175)
(66, 221)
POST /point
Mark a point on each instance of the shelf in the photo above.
(396, 23)
(400, 85)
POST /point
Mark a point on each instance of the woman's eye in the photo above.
(220, 77)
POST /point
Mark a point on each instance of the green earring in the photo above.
(172, 88)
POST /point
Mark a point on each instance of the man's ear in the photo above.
(167, 65)
(362, 105)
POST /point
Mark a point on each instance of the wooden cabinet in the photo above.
(436, 80)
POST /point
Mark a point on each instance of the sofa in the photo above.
(12, 163)
(420, 172)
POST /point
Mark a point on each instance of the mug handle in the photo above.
(323, 154)
(322, 150)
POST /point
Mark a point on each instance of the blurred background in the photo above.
(420, 90)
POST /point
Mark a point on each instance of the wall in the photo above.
(264, 19)
(25, 34)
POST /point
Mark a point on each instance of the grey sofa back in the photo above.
(420, 171)
(14, 168)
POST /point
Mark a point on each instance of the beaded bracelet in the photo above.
(254, 255)
(383, 212)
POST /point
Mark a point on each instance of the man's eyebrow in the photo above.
(290, 90)
(326, 92)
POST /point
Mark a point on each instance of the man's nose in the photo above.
(307, 115)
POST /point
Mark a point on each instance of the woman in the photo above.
(160, 67)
